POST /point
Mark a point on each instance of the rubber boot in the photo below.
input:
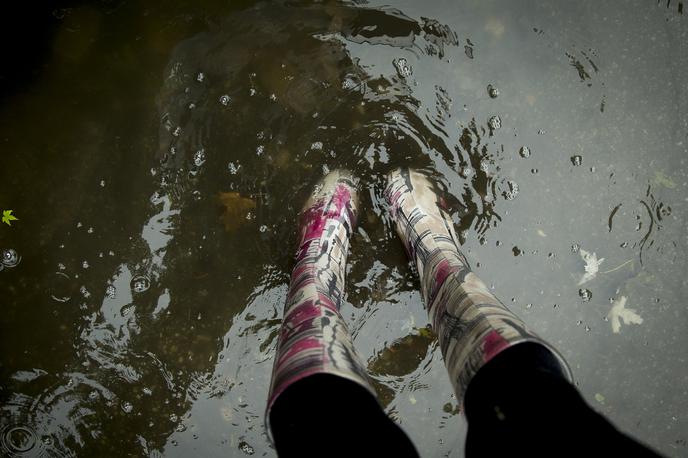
(314, 338)
(472, 325)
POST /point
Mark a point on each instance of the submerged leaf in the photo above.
(620, 312)
(236, 209)
(592, 266)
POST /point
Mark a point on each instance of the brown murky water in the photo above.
(158, 157)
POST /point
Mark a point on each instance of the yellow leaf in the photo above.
(236, 209)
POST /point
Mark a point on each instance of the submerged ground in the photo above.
(157, 154)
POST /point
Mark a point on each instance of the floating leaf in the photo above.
(592, 266)
(7, 217)
(620, 312)
(236, 209)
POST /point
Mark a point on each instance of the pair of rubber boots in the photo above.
(472, 325)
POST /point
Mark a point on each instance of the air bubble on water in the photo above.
(173, 150)
(524, 151)
(466, 172)
(173, 418)
(93, 395)
(225, 99)
(492, 91)
(251, 92)
(199, 316)
(180, 428)
(576, 160)
(587, 328)
(485, 166)
(259, 150)
(529, 305)
(233, 168)
(140, 283)
(78, 224)
(102, 183)
(579, 322)
(512, 192)
(84, 292)
(249, 216)
(177, 131)
(90, 230)
(585, 294)
(200, 77)
(495, 122)
(246, 448)
(199, 157)
(488, 199)
(192, 106)
(85, 265)
(273, 97)
(404, 70)
(10, 258)
(624, 245)
(147, 391)
(153, 172)
(110, 292)
(316, 146)
(534, 171)
(541, 132)
(575, 248)
(127, 407)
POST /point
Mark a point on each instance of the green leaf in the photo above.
(7, 216)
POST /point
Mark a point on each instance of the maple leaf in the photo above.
(592, 266)
(620, 312)
(236, 209)
(7, 217)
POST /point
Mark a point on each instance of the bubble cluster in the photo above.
(199, 157)
(524, 152)
(404, 70)
(110, 292)
(246, 448)
(585, 294)
(512, 191)
(492, 91)
(495, 122)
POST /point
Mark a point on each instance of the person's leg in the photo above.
(321, 401)
(500, 370)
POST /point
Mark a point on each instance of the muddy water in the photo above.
(158, 157)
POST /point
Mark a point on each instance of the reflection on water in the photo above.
(159, 160)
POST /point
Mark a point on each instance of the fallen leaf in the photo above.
(236, 209)
(620, 312)
(7, 217)
(592, 266)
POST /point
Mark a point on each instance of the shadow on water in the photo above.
(143, 293)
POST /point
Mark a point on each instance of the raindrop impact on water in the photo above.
(140, 283)
(10, 258)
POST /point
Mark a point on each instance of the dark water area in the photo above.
(157, 154)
